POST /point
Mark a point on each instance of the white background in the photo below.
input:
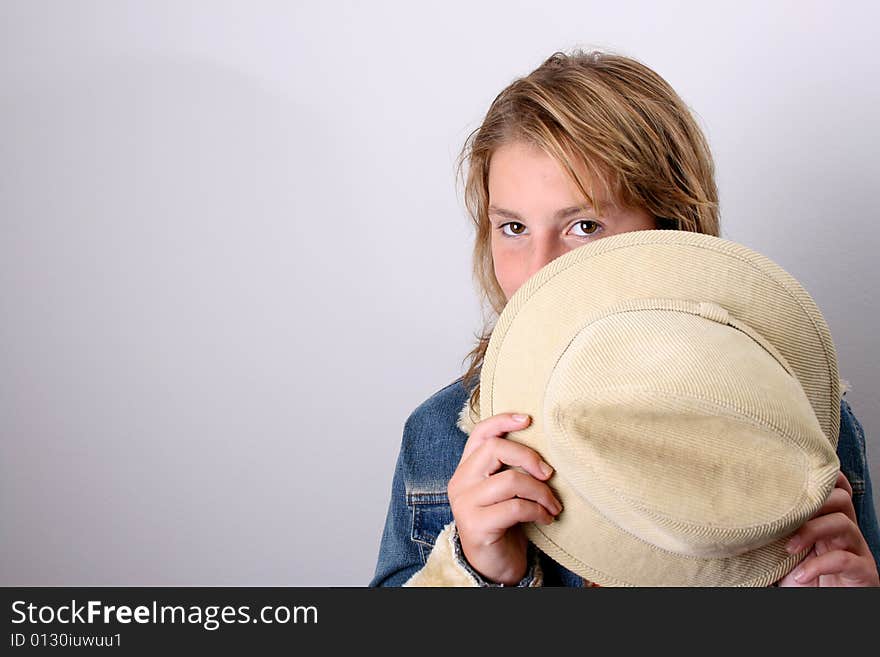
(234, 258)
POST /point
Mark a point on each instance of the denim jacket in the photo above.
(419, 514)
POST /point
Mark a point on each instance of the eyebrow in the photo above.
(561, 214)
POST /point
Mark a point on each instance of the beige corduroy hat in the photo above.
(685, 389)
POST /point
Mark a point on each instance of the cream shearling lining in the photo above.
(442, 569)
(466, 422)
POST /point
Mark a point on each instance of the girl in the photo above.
(587, 145)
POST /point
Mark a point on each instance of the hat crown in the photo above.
(684, 430)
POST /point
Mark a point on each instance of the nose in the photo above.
(544, 253)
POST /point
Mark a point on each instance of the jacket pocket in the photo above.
(430, 514)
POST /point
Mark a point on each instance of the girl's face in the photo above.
(536, 214)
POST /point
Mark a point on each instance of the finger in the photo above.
(789, 581)
(497, 425)
(838, 501)
(836, 562)
(508, 513)
(496, 452)
(513, 483)
(836, 529)
(843, 482)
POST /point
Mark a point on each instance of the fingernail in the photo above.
(799, 574)
(793, 545)
(520, 418)
(546, 469)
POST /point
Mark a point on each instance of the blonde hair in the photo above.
(631, 130)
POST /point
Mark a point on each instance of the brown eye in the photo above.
(588, 226)
(515, 231)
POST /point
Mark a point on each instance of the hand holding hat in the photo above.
(488, 509)
(838, 554)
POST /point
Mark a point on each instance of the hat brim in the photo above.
(641, 265)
